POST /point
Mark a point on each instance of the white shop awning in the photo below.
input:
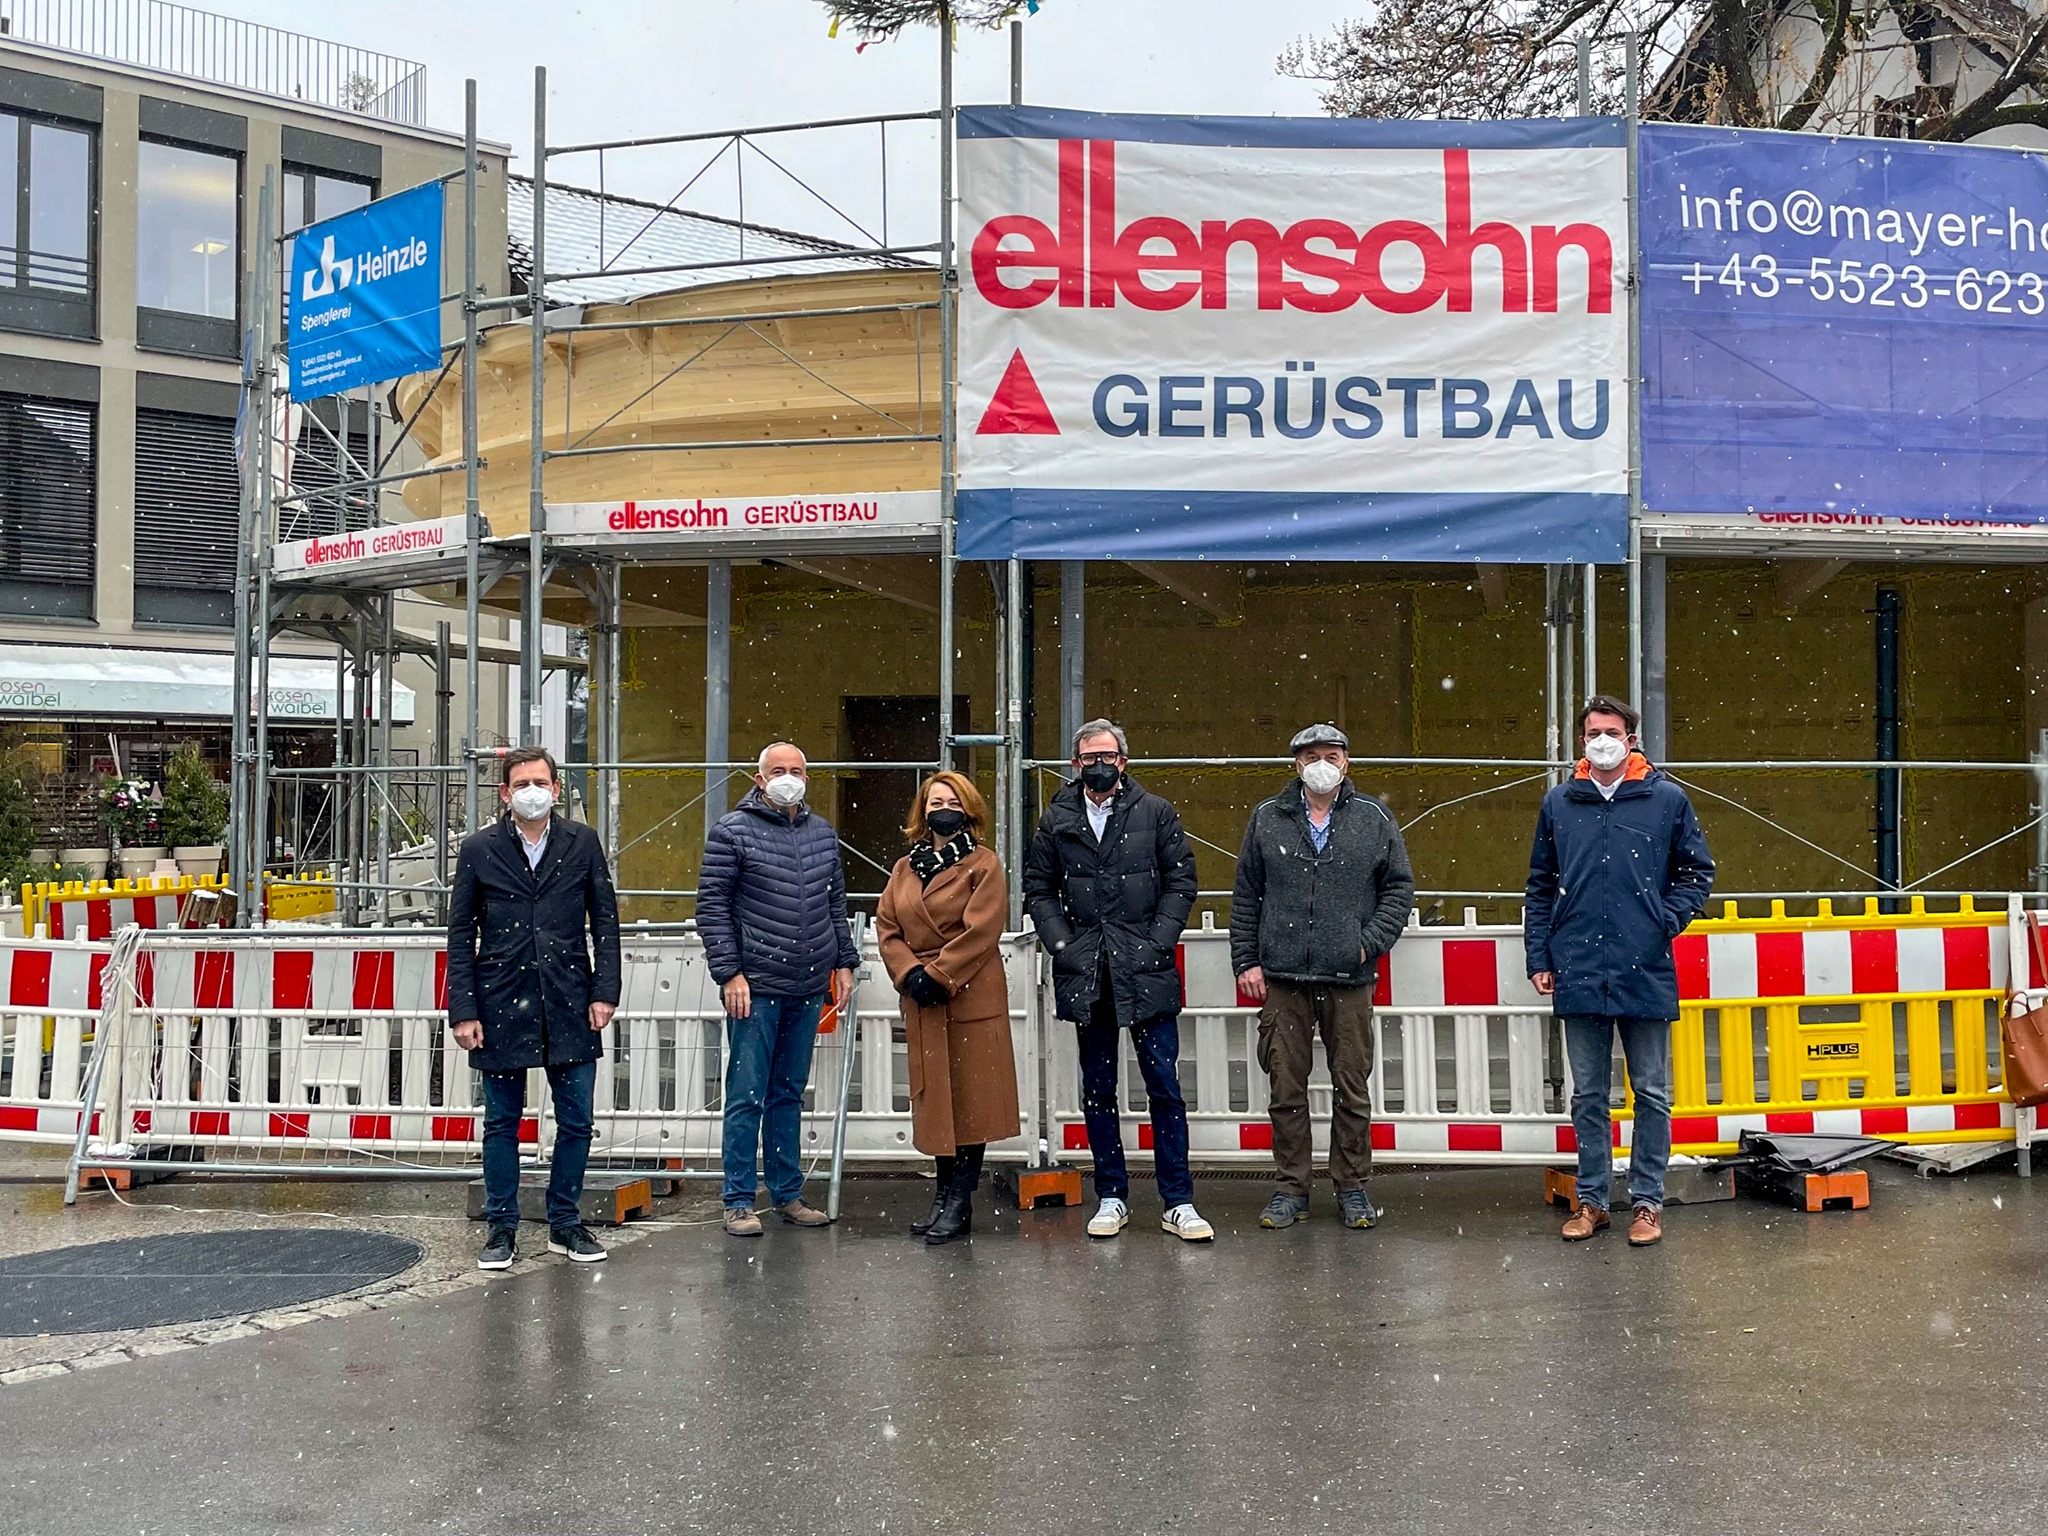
(109, 682)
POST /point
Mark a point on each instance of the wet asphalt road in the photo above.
(1457, 1370)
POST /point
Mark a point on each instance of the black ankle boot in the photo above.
(956, 1212)
(943, 1183)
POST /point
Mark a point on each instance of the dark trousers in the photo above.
(1158, 1044)
(504, 1105)
(1294, 1014)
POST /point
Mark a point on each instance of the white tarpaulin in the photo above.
(97, 682)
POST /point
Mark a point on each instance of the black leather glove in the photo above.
(922, 990)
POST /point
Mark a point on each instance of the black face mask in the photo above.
(945, 825)
(1102, 777)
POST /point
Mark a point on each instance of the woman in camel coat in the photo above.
(940, 927)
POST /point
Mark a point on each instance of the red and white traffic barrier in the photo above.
(50, 997)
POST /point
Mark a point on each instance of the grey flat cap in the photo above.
(1319, 736)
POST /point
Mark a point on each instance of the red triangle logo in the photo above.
(1018, 406)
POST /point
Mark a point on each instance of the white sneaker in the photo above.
(1110, 1218)
(1185, 1223)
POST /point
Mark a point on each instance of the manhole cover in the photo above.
(188, 1277)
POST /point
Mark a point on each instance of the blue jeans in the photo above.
(1158, 1044)
(1646, 1043)
(504, 1104)
(768, 1062)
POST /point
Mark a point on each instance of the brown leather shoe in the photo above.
(1584, 1222)
(797, 1214)
(1645, 1227)
(740, 1221)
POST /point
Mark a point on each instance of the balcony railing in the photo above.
(226, 51)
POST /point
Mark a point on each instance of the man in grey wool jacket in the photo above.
(1323, 891)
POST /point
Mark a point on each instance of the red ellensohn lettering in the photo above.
(1345, 262)
(635, 518)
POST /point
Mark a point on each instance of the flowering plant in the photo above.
(129, 812)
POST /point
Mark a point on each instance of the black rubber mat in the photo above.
(188, 1277)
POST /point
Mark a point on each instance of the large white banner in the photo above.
(1187, 338)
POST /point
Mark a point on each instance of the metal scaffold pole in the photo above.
(267, 223)
(385, 805)
(949, 315)
(609, 788)
(1637, 669)
(471, 506)
(444, 694)
(241, 763)
(1590, 573)
(536, 509)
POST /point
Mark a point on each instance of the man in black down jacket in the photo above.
(1323, 891)
(771, 909)
(1109, 882)
(1617, 870)
(524, 990)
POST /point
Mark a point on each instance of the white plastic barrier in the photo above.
(298, 1049)
(1459, 1060)
(49, 1004)
(305, 1049)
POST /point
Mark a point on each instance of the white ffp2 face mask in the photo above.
(1322, 777)
(530, 802)
(785, 790)
(1605, 752)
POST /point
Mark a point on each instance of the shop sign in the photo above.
(721, 520)
(387, 545)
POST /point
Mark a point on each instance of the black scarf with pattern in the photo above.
(926, 861)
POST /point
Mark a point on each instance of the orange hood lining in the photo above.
(1637, 767)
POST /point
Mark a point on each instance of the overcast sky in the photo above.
(627, 68)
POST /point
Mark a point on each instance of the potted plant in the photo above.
(133, 818)
(17, 823)
(195, 812)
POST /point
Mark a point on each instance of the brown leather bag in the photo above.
(2026, 1031)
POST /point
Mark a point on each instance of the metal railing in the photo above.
(227, 51)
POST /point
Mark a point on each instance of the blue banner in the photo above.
(1843, 330)
(365, 296)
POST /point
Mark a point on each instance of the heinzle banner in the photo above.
(1253, 338)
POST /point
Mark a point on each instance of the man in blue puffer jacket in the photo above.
(1618, 869)
(771, 909)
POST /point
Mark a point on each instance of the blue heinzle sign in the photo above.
(365, 298)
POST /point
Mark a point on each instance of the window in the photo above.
(310, 196)
(187, 252)
(46, 265)
(187, 515)
(47, 524)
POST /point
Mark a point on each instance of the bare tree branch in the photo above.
(1834, 16)
(1719, 61)
(1973, 118)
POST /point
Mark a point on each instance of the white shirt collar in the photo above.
(534, 847)
(1098, 815)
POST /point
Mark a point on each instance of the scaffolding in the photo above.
(361, 804)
